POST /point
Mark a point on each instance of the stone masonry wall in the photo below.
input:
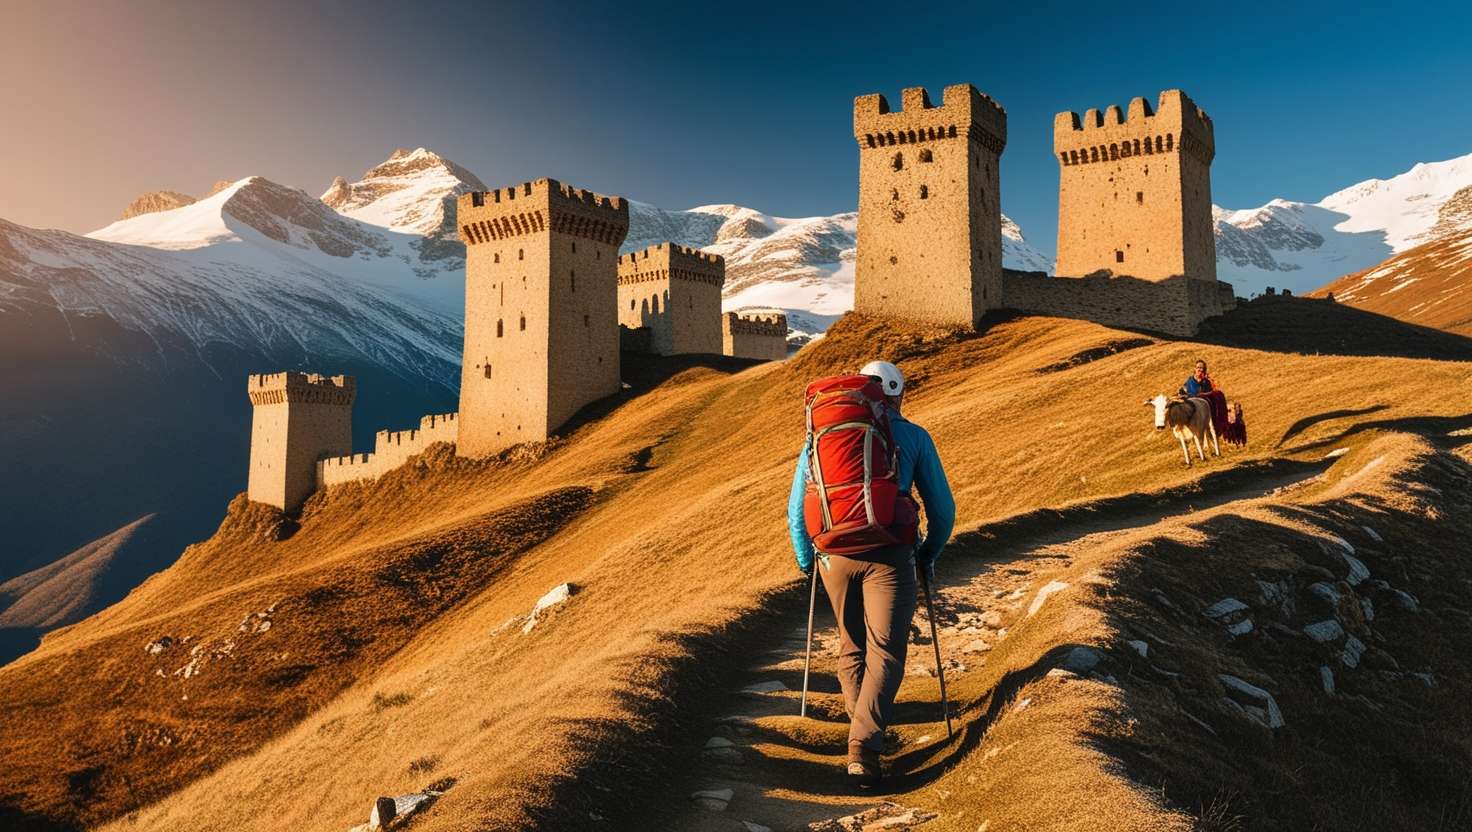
(1134, 192)
(541, 293)
(930, 233)
(1175, 306)
(296, 419)
(391, 448)
(758, 335)
(675, 291)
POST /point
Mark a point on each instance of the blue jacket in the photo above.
(919, 465)
(1192, 387)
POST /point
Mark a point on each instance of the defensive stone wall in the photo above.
(296, 419)
(1175, 306)
(1134, 193)
(391, 448)
(541, 309)
(930, 216)
(675, 292)
(759, 335)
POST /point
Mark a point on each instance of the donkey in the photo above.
(1185, 417)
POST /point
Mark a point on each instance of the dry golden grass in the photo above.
(668, 512)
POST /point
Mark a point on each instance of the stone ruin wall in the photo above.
(675, 292)
(391, 449)
(1176, 306)
(757, 335)
(296, 419)
(930, 233)
(541, 294)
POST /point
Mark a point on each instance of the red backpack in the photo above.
(853, 503)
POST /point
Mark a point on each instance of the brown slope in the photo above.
(1429, 285)
(681, 554)
(69, 589)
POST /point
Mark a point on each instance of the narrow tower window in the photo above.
(498, 257)
(521, 254)
(523, 323)
(925, 156)
(574, 274)
(488, 368)
(499, 328)
(899, 161)
(924, 191)
(1118, 256)
(1139, 197)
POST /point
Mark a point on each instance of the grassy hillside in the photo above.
(1429, 285)
(395, 657)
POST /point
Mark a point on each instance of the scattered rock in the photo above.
(1368, 608)
(755, 827)
(1248, 695)
(1140, 647)
(1325, 591)
(158, 645)
(1326, 675)
(727, 755)
(1336, 453)
(713, 800)
(1353, 650)
(1049, 589)
(886, 815)
(1241, 628)
(976, 646)
(764, 687)
(1324, 631)
(1426, 678)
(1374, 535)
(1081, 660)
(1358, 571)
(1277, 594)
(1021, 705)
(1060, 673)
(991, 618)
(385, 809)
(1223, 608)
(718, 742)
(1163, 600)
(556, 596)
(1404, 600)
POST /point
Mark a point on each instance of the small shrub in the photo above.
(423, 765)
(382, 703)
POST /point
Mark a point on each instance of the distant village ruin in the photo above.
(550, 304)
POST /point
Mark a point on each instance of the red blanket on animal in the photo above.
(1228, 423)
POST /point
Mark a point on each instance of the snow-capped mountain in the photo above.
(1301, 246)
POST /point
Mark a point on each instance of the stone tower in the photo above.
(541, 317)
(296, 420)
(1134, 193)
(676, 292)
(930, 211)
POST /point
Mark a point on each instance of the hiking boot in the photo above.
(863, 771)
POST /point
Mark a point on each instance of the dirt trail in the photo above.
(763, 767)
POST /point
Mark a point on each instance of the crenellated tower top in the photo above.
(537, 206)
(275, 388)
(1175, 125)
(965, 112)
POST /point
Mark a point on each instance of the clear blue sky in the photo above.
(679, 105)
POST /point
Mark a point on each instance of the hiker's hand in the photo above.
(925, 571)
(807, 571)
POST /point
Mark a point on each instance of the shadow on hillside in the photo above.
(1388, 748)
(1437, 430)
(1309, 421)
(1313, 326)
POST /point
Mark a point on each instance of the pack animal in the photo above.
(1186, 418)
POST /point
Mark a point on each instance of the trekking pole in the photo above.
(940, 672)
(808, 662)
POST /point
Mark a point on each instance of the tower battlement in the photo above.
(532, 207)
(755, 323)
(964, 112)
(752, 334)
(1175, 125)
(274, 388)
(668, 260)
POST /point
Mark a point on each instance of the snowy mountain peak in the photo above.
(413, 191)
(155, 201)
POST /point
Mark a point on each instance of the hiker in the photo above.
(873, 591)
(1198, 383)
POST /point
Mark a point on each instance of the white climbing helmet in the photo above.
(890, 377)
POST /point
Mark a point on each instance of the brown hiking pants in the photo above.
(873, 597)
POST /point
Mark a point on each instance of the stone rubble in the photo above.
(1255, 702)
(555, 597)
(713, 800)
(887, 815)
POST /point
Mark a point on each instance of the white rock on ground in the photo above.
(713, 800)
(1247, 695)
(1326, 675)
(1324, 591)
(1353, 650)
(718, 742)
(1336, 453)
(1324, 631)
(1404, 600)
(1241, 628)
(764, 687)
(1374, 535)
(556, 596)
(1224, 608)
(1049, 589)
(886, 815)
(1140, 647)
(1060, 673)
